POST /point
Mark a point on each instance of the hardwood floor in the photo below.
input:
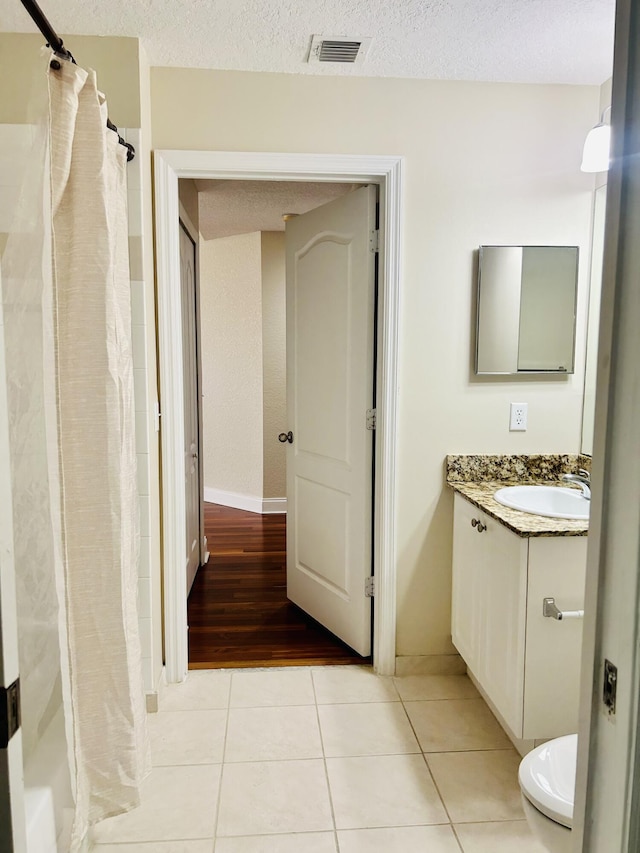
(238, 610)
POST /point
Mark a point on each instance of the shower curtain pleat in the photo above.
(25, 281)
(94, 469)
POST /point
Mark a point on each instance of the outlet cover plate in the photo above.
(518, 417)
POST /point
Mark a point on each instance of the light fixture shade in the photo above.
(595, 156)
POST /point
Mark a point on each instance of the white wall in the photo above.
(274, 364)
(231, 336)
(485, 164)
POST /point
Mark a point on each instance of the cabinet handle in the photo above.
(479, 526)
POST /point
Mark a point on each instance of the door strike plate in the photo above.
(9, 712)
(610, 686)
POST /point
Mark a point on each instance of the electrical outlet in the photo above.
(518, 419)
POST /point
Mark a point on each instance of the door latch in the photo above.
(9, 712)
(610, 686)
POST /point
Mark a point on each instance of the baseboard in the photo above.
(151, 700)
(249, 503)
(270, 506)
(430, 665)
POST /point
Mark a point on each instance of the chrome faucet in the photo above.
(583, 479)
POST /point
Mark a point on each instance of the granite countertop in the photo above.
(477, 478)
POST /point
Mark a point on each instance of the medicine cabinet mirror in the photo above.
(526, 309)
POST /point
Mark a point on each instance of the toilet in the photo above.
(547, 780)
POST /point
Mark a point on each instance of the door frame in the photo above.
(193, 233)
(387, 172)
(606, 813)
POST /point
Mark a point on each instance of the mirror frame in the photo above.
(541, 372)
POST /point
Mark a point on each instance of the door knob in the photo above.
(286, 436)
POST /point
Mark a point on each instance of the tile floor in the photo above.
(324, 760)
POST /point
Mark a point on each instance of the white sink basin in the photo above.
(550, 501)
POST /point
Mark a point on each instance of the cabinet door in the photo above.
(557, 568)
(467, 585)
(502, 626)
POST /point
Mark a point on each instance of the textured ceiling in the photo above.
(241, 207)
(536, 41)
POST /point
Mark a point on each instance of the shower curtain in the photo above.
(93, 448)
(66, 301)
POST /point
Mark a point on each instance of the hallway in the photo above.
(238, 611)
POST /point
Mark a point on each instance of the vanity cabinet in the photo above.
(528, 665)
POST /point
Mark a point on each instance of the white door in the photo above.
(12, 819)
(330, 368)
(190, 384)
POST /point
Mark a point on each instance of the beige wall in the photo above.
(115, 60)
(485, 163)
(274, 363)
(188, 195)
(231, 337)
(243, 339)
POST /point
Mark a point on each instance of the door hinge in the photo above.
(9, 712)
(369, 587)
(374, 240)
(372, 418)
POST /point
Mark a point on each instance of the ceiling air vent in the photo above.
(341, 49)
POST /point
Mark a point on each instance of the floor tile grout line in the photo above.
(450, 751)
(446, 699)
(442, 751)
(97, 845)
(272, 705)
(431, 776)
(425, 754)
(326, 769)
(455, 832)
(221, 777)
(386, 700)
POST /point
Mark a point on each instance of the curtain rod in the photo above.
(56, 44)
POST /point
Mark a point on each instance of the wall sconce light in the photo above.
(595, 156)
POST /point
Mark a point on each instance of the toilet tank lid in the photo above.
(548, 778)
